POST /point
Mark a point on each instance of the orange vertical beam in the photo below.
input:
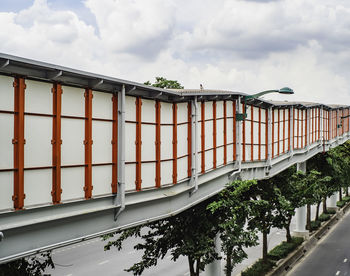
(174, 143)
(252, 133)
(203, 137)
(234, 129)
(243, 137)
(259, 135)
(225, 132)
(297, 128)
(329, 125)
(266, 134)
(291, 122)
(273, 133)
(284, 131)
(302, 128)
(158, 106)
(88, 143)
(306, 134)
(115, 144)
(56, 143)
(189, 139)
(278, 132)
(18, 143)
(319, 123)
(214, 134)
(138, 144)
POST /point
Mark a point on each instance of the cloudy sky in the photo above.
(239, 45)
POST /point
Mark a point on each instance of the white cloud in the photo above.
(237, 45)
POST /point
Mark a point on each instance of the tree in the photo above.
(31, 266)
(232, 211)
(165, 83)
(289, 194)
(191, 233)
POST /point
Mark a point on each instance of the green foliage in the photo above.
(346, 198)
(331, 211)
(315, 224)
(232, 211)
(341, 203)
(259, 268)
(191, 234)
(282, 250)
(324, 217)
(165, 83)
(31, 266)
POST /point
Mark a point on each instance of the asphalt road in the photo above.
(331, 256)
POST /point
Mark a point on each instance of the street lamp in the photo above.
(242, 116)
(342, 120)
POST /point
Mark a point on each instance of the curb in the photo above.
(285, 265)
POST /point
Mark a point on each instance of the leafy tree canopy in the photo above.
(162, 82)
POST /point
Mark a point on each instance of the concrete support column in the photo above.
(300, 230)
(214, 268)
(333, 202)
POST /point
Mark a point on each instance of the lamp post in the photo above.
(342, 120)
(242, 116)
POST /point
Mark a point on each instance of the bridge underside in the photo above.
(39, 229)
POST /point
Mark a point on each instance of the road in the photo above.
(331, 256)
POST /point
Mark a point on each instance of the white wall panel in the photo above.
(148, 148)
(255, 152)
(255, 113)
(248, 154)
(130, 138)
(6, 190)
(256, 133)
(208, 110)
(102, 105)
(102, 146)
(263, 115)
(101, 180)
(209, 134)
(229, 153)
(6, 93)
(73, 101)
(37, 187)
(219, 156)
(6, 146)
(275, 145)
(130, 108)
(263, 133)
(38, 97)
(229, 109)
(38, 148)
(148, 111)
(166, 113)
(220, 109)
(208, 160)
(219, 132)
(181, 140)
(182, 168)
(130, 177)
(275, 130)
(229, 134)
(263, 152)
(182, 115)
(166, 145)
(72, 150)
(148, 175)
(166, 168)
(248, 127)
(72, 183)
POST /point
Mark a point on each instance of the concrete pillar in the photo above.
(333, 202)
(214, 268)
(300, 230)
